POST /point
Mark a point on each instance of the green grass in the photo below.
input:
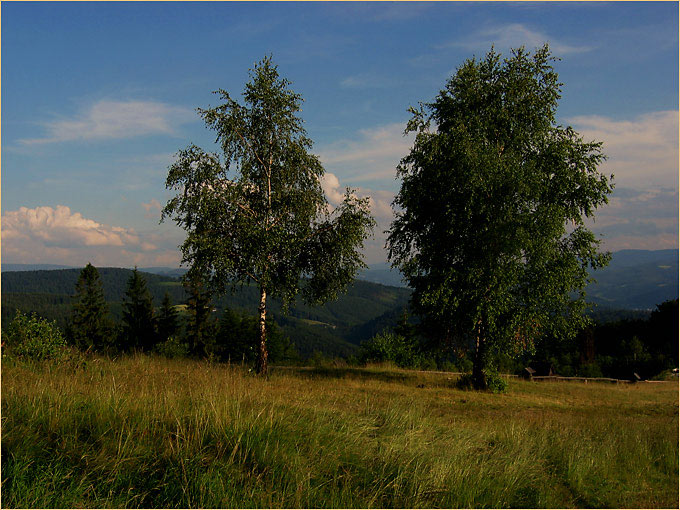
(149, 432)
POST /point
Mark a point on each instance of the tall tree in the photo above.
(138, 314)
(257, 214)
(201, 327)
(90, 324)
(490, 229)
(167, 323)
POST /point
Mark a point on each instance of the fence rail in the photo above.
(584, 380)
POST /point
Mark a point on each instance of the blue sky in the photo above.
(97, 97)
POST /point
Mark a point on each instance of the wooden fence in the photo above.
(586, 380)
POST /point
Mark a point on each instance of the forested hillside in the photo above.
(633, 280)
(334, 329)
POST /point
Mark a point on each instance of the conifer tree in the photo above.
(167, 323)
(90, 325)
(138, 320)
(201, 325)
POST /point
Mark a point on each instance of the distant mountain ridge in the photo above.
(634, 279)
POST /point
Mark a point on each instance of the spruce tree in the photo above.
(167, 323)
(138, 320)
(90, 326)
(201, 325)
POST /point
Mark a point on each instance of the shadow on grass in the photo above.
(417, 379)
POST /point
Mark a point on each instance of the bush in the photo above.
(388, 346)
(33, 338)
(495, 383)
(590, 370)
(172, 348)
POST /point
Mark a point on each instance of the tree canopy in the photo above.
(138, 315)
(256, 213)
(90, 324)
(490, 219)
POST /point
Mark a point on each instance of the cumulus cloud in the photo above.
(115, 119)
(60, 227)
(331, 187)
(513, 35)
(380, 203)
(642, 152)
(58, 235)
(372, 154)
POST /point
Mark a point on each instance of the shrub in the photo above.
(34, 338)
(494, 381)
(388, 346)
(590, 370)
(172, 348)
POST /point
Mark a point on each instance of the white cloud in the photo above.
(58, 235)
(373, 154)
(513, 35)
(115, 119)
(380, 203)
(642, 152)
(331, 187)
(60, 227)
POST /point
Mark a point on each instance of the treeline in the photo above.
(194, 329)
(620, 344)
(620, 348)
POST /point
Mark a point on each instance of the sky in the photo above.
(98, 97)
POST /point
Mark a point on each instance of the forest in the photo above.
(371, 322)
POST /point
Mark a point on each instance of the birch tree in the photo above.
(490, 229)
(255, 212)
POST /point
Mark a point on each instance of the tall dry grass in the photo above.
(150, 432)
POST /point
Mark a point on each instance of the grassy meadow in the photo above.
(151, 432)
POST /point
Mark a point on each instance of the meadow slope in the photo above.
(150, 432)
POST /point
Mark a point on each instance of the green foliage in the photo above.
(114, 282)
(390, 346)
(91, 327)
(257, 213)
(172, 347)
(618, 348)
(138, 315)
(495, 383)
(489, 255)
(32, 338)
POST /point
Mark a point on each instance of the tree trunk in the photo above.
(262, 351)
(478, 376)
